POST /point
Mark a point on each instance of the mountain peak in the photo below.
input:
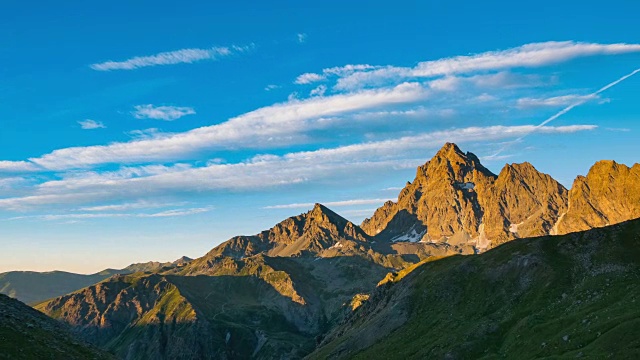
(450, 150)
(321, 213)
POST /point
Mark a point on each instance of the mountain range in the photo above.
(319, 285)
(32, 287)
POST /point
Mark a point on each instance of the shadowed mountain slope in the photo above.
(570, 296)
(28, 334)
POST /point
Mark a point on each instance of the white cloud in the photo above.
(340, 71)
(529, 55)
(319, 91)
(89, 124)
(84, 216)
(166, 113)
(129, 206)
(342, 203)
(309, 78)
(271, 126)
(271, 87)
(302, 37)
(170, 58)
(150, 133)
(266, 171)
(525, 56)
(555, 101)
(18, 166)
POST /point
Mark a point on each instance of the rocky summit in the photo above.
(319, 284)
(455, 200)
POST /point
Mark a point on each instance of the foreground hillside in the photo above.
(570, 296)
(28, 334)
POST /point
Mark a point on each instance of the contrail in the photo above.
(566, 110)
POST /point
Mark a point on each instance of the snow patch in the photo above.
(336, 246)
(411, 236)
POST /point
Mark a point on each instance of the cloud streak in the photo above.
(187, 56)
(166, 113)
(531, 55)
(89, 124)
(579, 102)
(265, 171)
(272, 126)
(85, 216)
(555, 101)
(342, 203)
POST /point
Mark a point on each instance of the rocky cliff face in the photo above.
(305, 234)
(609, 194)
(455, 200)
(522, 202)
(441, 203)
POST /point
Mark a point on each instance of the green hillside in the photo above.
(573, 296)
(28, 334)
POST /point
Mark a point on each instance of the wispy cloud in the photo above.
(271, 87)
(85, 216)
(318, 91)
(555, 101)
(271, 126)
(308, 78)
(342, 203)
(170, 58)
(302, 37)
(267, 171)
(89, 124)
(166, 113)
(526, 56)
(570, 107)
(129, 206)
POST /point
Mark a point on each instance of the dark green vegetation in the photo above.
(28, 334)
(32, 287)
(571, 296)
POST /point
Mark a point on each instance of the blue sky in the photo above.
(153, 130)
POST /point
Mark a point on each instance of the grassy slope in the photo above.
(28, 334)
(572, 296)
